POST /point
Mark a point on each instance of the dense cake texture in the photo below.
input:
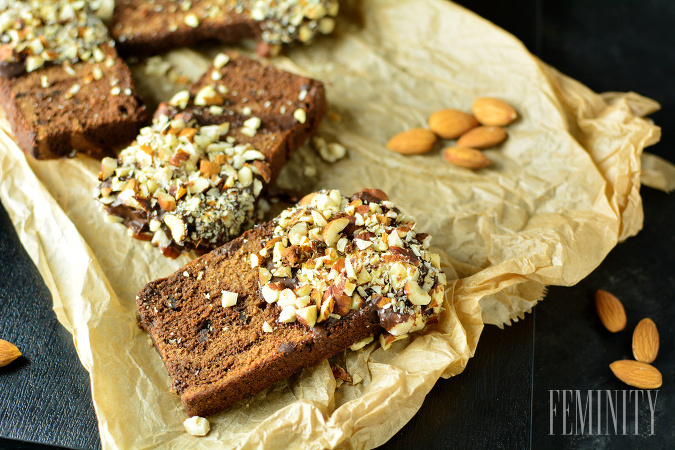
(191, 180)
(328, 274)
(62, 85)
(152, 26)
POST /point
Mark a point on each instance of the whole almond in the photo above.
(482, 137)
(610, 310)
(646, 341)
(8, 352)
(638, 374)
(466, 157)
(451, 123)
(490, 111)
(412, 142)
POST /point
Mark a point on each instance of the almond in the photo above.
(307, 199)
(416, 294)
(490, 111)
(377, 193)
(189, 133)
(8, 352)
(637, 374)
(412, 142)
(467, 157)
(646, 341)
(332, 231)
(179, 158)
(166, 202)
(176, 226)
(307, 315)
(610, 310)
(451, 123)
(209, 168)
(482, 137)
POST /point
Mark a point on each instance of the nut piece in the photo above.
(177, 227)
(8, 352)
(490, 111)
(646, 341)
(307, 315)
(197, 426)
(467, 157)
(332, 231)
(207, 96)
(416, 294)
(229, 299)
(307, 199)
(610, 310)
(166, 202)
(638, 374)
(451, 123)
(108, 166)
(412, 142)
(179, 158)
(482, 137)
(209, 168)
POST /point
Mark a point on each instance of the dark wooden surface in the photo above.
(502, 399)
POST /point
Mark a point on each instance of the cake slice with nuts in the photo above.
(191, 180)
(331, 273)
(62, 85)
(153, 26)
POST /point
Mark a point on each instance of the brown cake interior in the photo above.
(217, 356)
(74, 112)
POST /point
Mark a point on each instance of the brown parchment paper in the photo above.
(563, 192)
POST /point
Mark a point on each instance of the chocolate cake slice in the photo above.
(153, 26)
(191, 180)
(328, 274)
(62, 85)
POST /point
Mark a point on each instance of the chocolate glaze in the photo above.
(12, 69)
(133, 218)
(390, 318)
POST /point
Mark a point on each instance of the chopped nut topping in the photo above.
(59, 32)
(285, 21)
(184, 185)
(337, 254)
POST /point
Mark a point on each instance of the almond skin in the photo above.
(412, 142)
(493, 112)
(638, 374)
(646, 341)
(451, 123)
(610, 310)
(466, 157)
(8, 352)
(482, 137)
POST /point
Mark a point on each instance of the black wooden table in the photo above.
(528, 385)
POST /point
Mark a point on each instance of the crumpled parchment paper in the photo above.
(563, 192)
